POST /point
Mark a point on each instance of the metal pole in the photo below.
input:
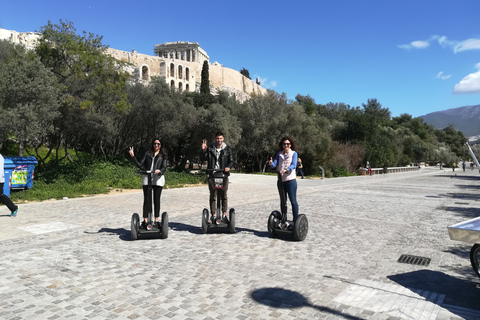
(323, 172)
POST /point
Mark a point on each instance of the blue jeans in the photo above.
(290, 189)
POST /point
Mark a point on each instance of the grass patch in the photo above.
(91, 177)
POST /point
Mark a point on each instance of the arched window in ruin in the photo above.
(187, 87)
(180, 72)
(145, 73)
(187, 74)
(172, 84)
(180, 87)
(172, 70)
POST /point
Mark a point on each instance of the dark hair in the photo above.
(219, 133)
(162, 149)
(292, 143)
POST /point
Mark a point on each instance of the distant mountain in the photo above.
(465, 119)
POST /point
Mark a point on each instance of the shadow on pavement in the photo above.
(288, 299)
(261, 234)
(121, 232)
(462, 177)
(463, 186)
(468, 213)
(462, 196)
(177, 226)
(458, 293)
(462, 252)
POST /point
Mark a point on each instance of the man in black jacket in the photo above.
(218, 156)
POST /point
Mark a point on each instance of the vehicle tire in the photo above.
(231, 221)
(164, 230)
(205, 221)
(135, 225)
(300, 228)
(475, 257)
(273, 219)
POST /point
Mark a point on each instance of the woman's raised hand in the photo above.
(130, 151)
(204, 144)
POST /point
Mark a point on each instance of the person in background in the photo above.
(153, 160)
(3, 198)
(300, 167)
(369, 168)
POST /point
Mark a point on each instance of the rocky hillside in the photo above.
(465, 119)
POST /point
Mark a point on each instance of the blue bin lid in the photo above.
(12, 162)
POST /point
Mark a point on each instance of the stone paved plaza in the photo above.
(73, 259)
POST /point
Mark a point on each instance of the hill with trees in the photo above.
(465, 119)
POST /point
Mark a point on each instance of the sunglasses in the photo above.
(286, 144)
(156, 144)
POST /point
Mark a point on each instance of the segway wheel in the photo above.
(164, 230)
(475, 258)
(273, 219)
(135, 225)
(231, 219)
(205, 221)
(300, 229)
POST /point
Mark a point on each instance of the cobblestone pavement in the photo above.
(73, 259)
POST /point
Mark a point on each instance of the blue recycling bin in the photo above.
(19, 173)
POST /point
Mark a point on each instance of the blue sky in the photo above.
(413, 56)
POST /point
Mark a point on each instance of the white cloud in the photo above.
(419, 44)
(469, 84)
(459, 46)
(267, 84)
(443, 77)
(469, 44)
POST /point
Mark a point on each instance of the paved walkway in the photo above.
(73, 259)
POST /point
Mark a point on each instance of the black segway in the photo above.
(278, 224)
(151, 227)
(219, 178)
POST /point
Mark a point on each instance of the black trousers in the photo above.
(147, 200)
(6, 200)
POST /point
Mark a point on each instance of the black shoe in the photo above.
(143, 225)
(212, 219)
(224, 218)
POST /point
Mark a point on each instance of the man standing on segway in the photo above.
(218, 156)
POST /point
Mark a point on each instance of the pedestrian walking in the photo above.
(3, 198)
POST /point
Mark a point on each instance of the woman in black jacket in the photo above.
(154, 160)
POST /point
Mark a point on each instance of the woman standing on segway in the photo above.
(286, 163)
(154, 160)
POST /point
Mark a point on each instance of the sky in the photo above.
(413, 56)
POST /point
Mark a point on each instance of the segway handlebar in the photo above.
(215, 170)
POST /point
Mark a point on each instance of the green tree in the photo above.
(93, 96)
(205, 82)
(29, 100)
(158, 113)
(245, 73)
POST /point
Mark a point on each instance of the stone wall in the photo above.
(178, 72)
